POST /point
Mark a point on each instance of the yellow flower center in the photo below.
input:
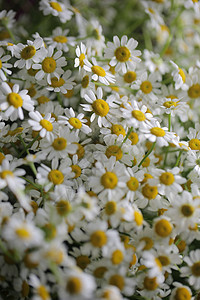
(196, 269)
(98, 238)
(15, 131)
(25, 289)
(46, 124)
(43, 99)
(82, 261)
(56, 6)
(15, 100)
(138, 115)
(99, 272)
(182, 294)
(122, 54)
(100, 107)
(150, 192)
(81, 59)
(194, 91)
(182, 74)
(194, 144)
(60, 39)
(187, 210)
(133, 137)
(59, 144)
(55, 255)
(80, 151)
(133, 184)
(148, 243)
(99, 71)
(146, 162)
(109, 180)
(6, 173)
(169, 104)
(28, 52)
(164, 260)
(130, 76)
(146, 177)
(167, 178)
(85, 81)
(77, 170)
(117, 257)
(23, 233)
(50, 231)
(55, 82)
(114, 151)
(118, 129)
(163, 228)
(146, 87)
(56, 176)
(69, 94)
(49, 65)
(157, 131)
(32, 91)
(150, 284)
(110, 207)
(117, 280)
(0, 64)
(76, 123)
(138, 218)
(181, 246)
(2, 156)
(32, 72)
(43, 293)
(63, 207)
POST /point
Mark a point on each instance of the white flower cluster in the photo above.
(99, 162)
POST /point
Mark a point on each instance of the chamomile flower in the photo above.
(180, 291)
(4, 65)
(192, 270)
(184, 211)
(60, 145)
(179, 77)
(51, 65)
(98, 72)
(40, 289)
(155, 133)
(29, 54)
(122, 53)
(44, 125)
(63, 84)
(13, 100)
(99, 107)
(74, 122)
(59, 39)
(135, 177)
(57, 9)
(81, 55)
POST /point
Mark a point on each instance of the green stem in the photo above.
(29, 145)
(127, 135)
(59, 99)
(9, 31)
(169, 39)
(37, 186)
(148, 153)
(178, 159)
(169, 122)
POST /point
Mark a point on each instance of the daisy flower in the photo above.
(154, 133)
(179, 77)
(4, 65)
(57, 9)
(99, 107)
(63, 84)
(184, 211)
(22, 233)
(98, 72)
(8, 17)
(133, 182)
(51, 65)
(74, 122)
(192, 271)
(108, 179)
(60, 145)
(135, 114)
(42, 124)
(29, 54)
(122, 53)
(59, 39)
(40, 290)
(81, 55)
(180, 291)
(12, 101)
